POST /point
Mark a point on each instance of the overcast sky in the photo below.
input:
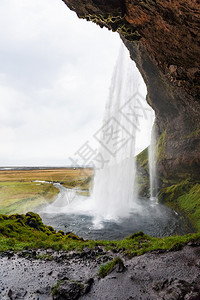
(55, 72)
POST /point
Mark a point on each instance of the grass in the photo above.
(63, 175)
(19, 231)
(108, 267)
(19, 193)
(83, 184)
(18, 197)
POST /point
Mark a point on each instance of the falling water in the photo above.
(114, 210)
(114, 185)
(152, 166)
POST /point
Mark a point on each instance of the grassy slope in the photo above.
(19, 193)
(18, 231)
(22, 196)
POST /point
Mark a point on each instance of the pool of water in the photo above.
(75, 214)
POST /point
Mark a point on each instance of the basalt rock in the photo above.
(163, 38)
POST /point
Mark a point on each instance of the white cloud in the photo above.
(55, 72)
(54, 79)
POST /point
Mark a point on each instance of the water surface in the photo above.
(75, 213)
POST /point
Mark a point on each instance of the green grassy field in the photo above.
(20, 197)
(19, 193)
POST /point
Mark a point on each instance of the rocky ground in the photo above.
(168, 275)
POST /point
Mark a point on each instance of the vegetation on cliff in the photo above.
(142, 164)
(185, 198)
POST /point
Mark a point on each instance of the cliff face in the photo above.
(163, 38)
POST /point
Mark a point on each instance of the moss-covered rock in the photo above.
(116, 263)
(185, 198)
(161, 146)
(142, 178)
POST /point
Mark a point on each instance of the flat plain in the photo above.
(20, 190)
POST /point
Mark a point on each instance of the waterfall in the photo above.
(152, 166)
(114, 189)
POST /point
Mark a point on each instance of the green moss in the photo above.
(192, 134)
(189, 203)
(44, 257)
(108, 267)
(142, 158)
(18, 231)
(161, 146)
(185, 198)
(142, 173)
(115, 23)
(55, 287)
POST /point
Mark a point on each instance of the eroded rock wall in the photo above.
(163, 38)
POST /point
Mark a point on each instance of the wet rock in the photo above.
(88, 253)
(10, 254)
(88, 285)
(98, 249)
(194, 243)
(71, 289)
(16, 293)
(119, 267)
(44, 290)
(28, 253)
(68, 290)
(62, 276)
(174, 289)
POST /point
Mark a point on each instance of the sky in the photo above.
(55, 72)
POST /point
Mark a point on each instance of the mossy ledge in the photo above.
(19, 232)
(184, 197)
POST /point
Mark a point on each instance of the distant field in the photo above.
(19, 193)
(55, 175)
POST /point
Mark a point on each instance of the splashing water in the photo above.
(114, 190)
